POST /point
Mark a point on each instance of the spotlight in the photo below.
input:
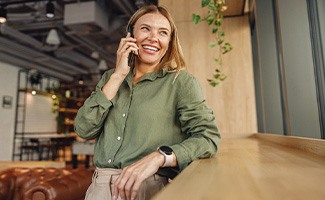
(81, 81)
(50, 9)
(3, 15)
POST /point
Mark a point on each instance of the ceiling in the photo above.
(22, 37)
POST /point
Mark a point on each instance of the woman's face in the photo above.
(153, 33)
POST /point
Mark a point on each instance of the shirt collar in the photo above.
(150, 76)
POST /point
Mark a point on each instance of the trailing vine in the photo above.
(214, 20)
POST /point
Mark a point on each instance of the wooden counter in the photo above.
(255, 168)
(30, 164)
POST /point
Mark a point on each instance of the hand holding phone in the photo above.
(131, 55)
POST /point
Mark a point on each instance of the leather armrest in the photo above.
(7, 186)
(72, 186)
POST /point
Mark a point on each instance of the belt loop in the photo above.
(111, 189)
(95, 175)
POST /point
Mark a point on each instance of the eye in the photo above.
(164, 33)
(145, 28)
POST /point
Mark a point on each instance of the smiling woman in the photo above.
(139, 147)
(153, 35)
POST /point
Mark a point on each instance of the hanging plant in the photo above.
(214, 20)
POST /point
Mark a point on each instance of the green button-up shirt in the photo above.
(163, 108)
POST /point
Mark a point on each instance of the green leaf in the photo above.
(212, 6)
(222, 33)
(210, 20)
(214, 84)
(218, 23)
(212, 44)
(204, 3)
(223, 78)
(216, 76)
(196, 18)
(214, 30)
(216, 60)
(219, 2)
(220, 41)
(228, 46)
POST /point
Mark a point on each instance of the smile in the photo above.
(150, 48)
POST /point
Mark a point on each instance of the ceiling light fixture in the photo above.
(95, 55)
(50, 9)
(102, 65)
(53, 37)
(3, 15)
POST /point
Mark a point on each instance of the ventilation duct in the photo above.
(85, 17)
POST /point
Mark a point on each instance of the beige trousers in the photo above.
(103, 181)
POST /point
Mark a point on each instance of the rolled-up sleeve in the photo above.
(198, 122)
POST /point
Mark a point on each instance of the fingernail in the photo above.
(114, 198)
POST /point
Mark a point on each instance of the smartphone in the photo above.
(131, 55)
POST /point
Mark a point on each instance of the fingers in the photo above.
(123, 40)
(129, 182)
(118, 187)
(127, 185)
(126, 46)
(135, 189)
(126, 42)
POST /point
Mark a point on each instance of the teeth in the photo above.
(150, 48)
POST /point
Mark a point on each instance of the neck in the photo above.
(142, 69)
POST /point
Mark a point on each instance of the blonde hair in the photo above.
(173, 59)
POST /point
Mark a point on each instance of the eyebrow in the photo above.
(160, 28)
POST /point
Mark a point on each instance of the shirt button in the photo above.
(109, 161)
(123, 114)
(118, 138)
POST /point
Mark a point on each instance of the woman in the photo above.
(149, 119)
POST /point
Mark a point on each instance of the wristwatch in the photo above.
(167, 152)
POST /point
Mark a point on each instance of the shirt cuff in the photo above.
(183, 159)
(102, 100)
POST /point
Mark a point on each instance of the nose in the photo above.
(153, 36)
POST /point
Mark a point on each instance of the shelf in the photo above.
(38, 92)
(75, 99)
(68, 110)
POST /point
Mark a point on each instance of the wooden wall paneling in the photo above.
(234, 101)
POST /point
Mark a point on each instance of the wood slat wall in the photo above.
(234, 101)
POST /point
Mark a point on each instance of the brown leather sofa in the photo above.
(44, 183)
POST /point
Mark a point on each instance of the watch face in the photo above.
(167, 150)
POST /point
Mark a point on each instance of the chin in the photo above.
(150, 61)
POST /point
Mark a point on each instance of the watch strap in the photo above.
(168, 160)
